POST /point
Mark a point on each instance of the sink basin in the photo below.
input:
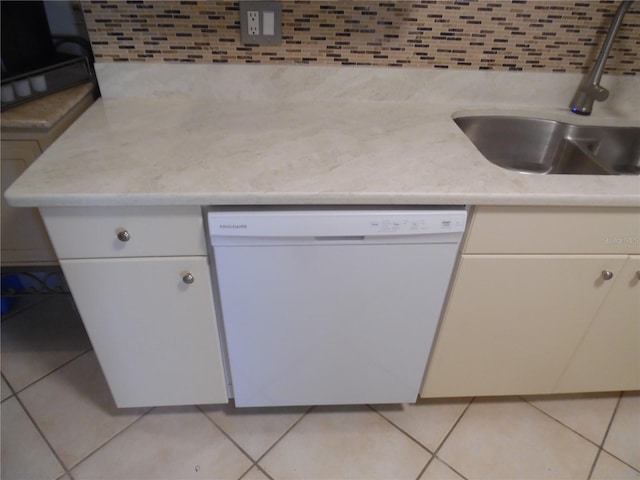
(532, 145)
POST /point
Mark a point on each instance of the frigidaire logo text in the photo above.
(233, 225)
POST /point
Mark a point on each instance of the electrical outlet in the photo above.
(260, 22)
(253, 22)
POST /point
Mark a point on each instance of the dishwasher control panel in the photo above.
(429, 224)
(339, 222)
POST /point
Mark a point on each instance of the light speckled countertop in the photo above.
(45, 112)
(178, 135)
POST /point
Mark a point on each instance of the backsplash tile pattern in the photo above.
(559, 36)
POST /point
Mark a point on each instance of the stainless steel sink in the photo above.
(531, 145)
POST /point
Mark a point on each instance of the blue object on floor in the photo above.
(10, 283)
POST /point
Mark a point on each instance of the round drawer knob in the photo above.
(123, 236)
(638, 274)
(607, 275)
(188, 279)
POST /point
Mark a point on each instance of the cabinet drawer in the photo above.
(92, 232)
(559, 230)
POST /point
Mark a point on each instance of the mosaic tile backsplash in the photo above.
(557, 36)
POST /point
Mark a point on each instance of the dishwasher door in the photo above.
(331, 307)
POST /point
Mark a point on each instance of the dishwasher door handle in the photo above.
(333, 238)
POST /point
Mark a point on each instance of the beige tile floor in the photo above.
(59, 422)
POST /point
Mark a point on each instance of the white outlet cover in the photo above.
(268, 30)
(268, 23)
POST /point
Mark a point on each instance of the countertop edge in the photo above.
(551, 200)
(46, 112)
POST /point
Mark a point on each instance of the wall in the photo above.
(554, 36)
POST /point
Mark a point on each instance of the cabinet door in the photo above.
(608, 357)
(513, 322)
(155, 336)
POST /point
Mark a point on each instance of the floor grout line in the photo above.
(264, 472)
(8, 385)
(259, 468)
(255, 462)
(246, 472)
(563, 424)
(620, 460)
(606, 434)
(599, 446)
(62, 365)
(15, 393)
(408, 435)
(594, 463)
(67, 471)
(67, 362)
(433, 454)
(109, 440)
(401, 430)
(229, 437)
(604, 437)
(446, 437)
(306, 412)
(15, 311)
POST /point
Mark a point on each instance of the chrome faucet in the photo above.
(590, 89)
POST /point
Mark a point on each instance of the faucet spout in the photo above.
(590, 89)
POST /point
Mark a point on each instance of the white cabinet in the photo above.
(151, 319)
(530, 311)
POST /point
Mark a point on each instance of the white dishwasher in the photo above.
(331, 305)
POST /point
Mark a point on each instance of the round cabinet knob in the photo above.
(638, 274)
(123, 236)
(607, 275)
(188, 278)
